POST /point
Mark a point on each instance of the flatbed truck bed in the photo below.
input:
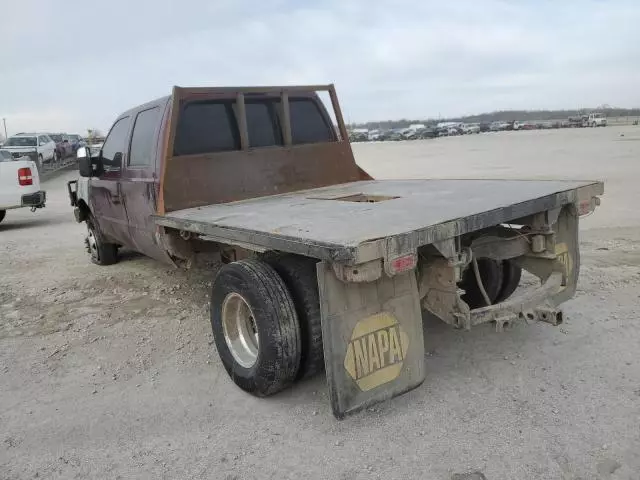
(347, 223)
(362, 234)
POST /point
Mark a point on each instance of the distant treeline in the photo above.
(504, 116)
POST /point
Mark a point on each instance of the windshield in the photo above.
(21, 142)
(56, 138)
(74, 137)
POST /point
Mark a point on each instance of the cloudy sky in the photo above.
(71, 65)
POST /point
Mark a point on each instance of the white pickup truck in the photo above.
(19, 184)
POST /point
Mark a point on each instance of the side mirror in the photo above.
(83, 152)
(84, 162)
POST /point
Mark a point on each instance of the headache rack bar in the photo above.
(284, 92)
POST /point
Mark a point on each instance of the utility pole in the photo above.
(4, 121)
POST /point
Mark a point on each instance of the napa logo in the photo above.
(376, 351)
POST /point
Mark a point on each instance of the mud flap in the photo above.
(373, 339)
(567, 248)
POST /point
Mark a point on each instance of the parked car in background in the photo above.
(498, 126)
(394, 135)
(596, 120)
(577, 121)
(470, 128)
(428, 132)
(5, 156)
(374, 135)
(38, 146)
(19, 183)
(410, 134)
(64, 148)
(76, 142)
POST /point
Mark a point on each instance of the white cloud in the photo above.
(388, 59)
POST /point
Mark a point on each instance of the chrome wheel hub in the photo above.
(92, 243)
(240, 330)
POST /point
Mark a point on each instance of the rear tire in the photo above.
(3, 213)
(511, 274)
(255, 327)
(491, 276)
(299, 275)
(101, 252)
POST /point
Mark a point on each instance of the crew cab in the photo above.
(324, 267)
(37, 146)
(19, 184)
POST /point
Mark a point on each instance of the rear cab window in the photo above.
(263, 128)
(206, 127)
(308, 124)
(209, 126)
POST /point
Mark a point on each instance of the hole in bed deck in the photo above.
(361, 198)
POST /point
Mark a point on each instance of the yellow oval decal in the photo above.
(376, 351)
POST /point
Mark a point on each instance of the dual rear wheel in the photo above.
(265, 317)
(499, 279)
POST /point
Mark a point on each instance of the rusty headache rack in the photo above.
(247, 172)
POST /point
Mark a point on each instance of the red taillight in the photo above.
(24, 177)
(401, 264)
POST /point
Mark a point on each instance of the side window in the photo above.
(308, 124)
(43, 139)
(114, 146)
(262, 124)
(144, 137)
(206, 127)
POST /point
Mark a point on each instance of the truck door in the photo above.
(140, 182)
(106, 189)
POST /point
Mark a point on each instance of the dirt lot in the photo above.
(111, 372)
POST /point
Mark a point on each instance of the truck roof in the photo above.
(145, 105)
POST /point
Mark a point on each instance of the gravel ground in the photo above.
(111, 373)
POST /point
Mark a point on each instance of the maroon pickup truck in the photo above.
(324, 267)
